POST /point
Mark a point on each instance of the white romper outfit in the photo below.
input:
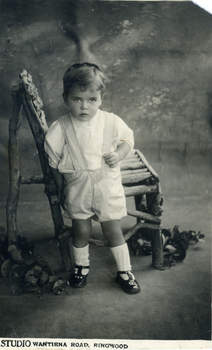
(76, 149)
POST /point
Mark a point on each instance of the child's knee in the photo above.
(82, 228)
(113, 232)
(112, 226)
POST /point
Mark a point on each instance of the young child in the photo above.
(84, 149)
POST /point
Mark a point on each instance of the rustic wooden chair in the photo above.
(138, 177)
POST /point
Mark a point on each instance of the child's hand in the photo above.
(111, 159)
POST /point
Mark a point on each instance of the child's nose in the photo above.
(84, 105)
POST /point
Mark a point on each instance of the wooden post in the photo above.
(157, 249)
(138, 226)
(144, 216)
(33, 108)
(14, 171)
(138, 190)
(149, 202)
(154, 202)
(143, 159)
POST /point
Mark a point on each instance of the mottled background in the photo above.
(156, 56)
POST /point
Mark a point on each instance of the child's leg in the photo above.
(82, 230)
(113, 232)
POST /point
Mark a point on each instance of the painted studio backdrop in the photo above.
(157, 60)
(156, 57)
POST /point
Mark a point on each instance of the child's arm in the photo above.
(113, 158)
(60, 186)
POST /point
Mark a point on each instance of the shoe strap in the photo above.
(123, 272)
(80, 268)
(129, 273)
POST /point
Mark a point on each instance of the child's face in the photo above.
(83, 105)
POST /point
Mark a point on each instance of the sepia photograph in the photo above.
(105, 158)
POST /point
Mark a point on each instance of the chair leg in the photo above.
(14, 170)
(62, 232)
(157, 249)
(144, 203)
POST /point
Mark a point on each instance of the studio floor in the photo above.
(174, 304)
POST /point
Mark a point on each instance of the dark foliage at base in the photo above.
(26, 270)
(175, 243)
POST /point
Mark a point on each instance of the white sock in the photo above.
(122, 257)
(81, 257)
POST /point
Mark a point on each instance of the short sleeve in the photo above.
(54, 143)
(123, 133)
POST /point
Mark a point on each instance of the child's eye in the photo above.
(93, 99)
(76, 99)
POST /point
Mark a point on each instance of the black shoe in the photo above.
(129, 286)
(78, 280)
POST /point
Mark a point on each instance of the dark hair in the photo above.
(84, 76)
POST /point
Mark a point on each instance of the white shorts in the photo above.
(95, 194)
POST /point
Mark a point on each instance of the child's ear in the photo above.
(65, 99)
